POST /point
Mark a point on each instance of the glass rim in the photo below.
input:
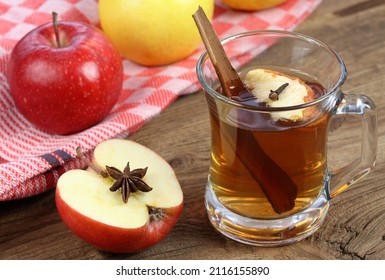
(204, 56)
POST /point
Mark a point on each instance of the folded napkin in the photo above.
(31, 160)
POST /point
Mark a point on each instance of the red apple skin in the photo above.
(63, 90)
(116, 239)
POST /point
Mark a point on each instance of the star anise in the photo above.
(128, 181)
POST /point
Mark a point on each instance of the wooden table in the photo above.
(355, 225)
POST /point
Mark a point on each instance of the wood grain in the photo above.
(354, 227)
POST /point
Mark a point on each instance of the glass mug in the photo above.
(269, 183)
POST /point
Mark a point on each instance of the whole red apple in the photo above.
(103, 217)
(65, 76)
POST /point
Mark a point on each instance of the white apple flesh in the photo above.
(100, 217)
(263, 81)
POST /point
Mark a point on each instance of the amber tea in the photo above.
(244, 148)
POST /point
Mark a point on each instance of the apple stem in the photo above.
(56, 29)
(96, 168)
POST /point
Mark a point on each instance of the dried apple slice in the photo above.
(279, 90)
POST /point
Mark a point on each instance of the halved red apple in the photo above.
(101, 218)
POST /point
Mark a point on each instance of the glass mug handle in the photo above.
(363, 106)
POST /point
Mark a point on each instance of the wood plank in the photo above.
(354, 227)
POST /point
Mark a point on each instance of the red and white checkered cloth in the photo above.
(30, 160)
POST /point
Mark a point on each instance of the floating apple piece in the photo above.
(279, 90)
(65, 76)
(91, 205)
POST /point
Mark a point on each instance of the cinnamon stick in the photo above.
(278, 187)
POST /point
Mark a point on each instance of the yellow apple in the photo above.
(252, 5)
(153, 32)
